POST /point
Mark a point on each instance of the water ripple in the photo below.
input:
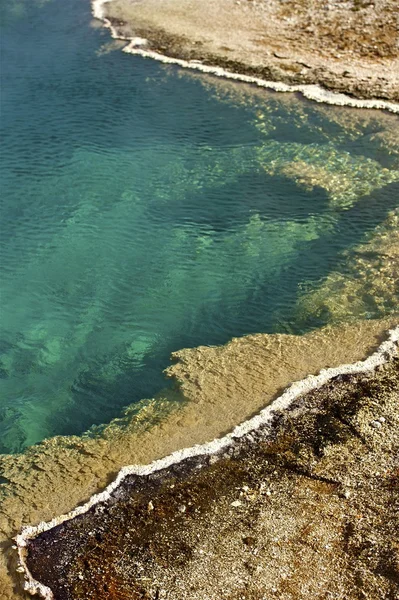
(142, 212)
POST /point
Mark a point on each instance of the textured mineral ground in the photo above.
(215, 389)
(345, 46)
(306, 509)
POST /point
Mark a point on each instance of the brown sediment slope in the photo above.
(349, 47)
(305, 507)
(222, 387)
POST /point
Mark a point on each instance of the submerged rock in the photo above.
(369, 283)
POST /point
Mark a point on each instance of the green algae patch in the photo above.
(343, 177)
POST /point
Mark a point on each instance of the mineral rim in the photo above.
(215, 388)
(345, 47)
(300, 502)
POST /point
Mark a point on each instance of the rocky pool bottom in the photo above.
(305, 509)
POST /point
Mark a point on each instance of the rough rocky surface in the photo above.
(310, 510)
(346, 46)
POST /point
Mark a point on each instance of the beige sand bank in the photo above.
(300, 502)
(349, 47)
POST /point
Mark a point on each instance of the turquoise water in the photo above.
(143, 212)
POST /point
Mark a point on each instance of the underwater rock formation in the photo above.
(369, 283)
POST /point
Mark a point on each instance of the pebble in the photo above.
(249, 540)
(279, 55)
(236, 503)
(376, 424)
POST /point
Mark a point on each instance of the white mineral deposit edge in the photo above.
(383, 354)
(137, 45)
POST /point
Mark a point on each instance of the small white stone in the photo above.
(236, 503)
(150, 506)
(138, 41)
(376, 424)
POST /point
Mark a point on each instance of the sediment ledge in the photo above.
(333, 52)
(214, 389)
(317, 457)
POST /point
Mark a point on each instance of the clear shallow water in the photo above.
(142, 214)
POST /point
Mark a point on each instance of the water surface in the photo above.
(142, 212)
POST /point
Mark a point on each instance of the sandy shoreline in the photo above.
(55, 476)
(338, 387)
(268, 49)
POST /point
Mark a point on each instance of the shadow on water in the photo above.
(350, 230)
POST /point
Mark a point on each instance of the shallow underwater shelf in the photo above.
(146, 210)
